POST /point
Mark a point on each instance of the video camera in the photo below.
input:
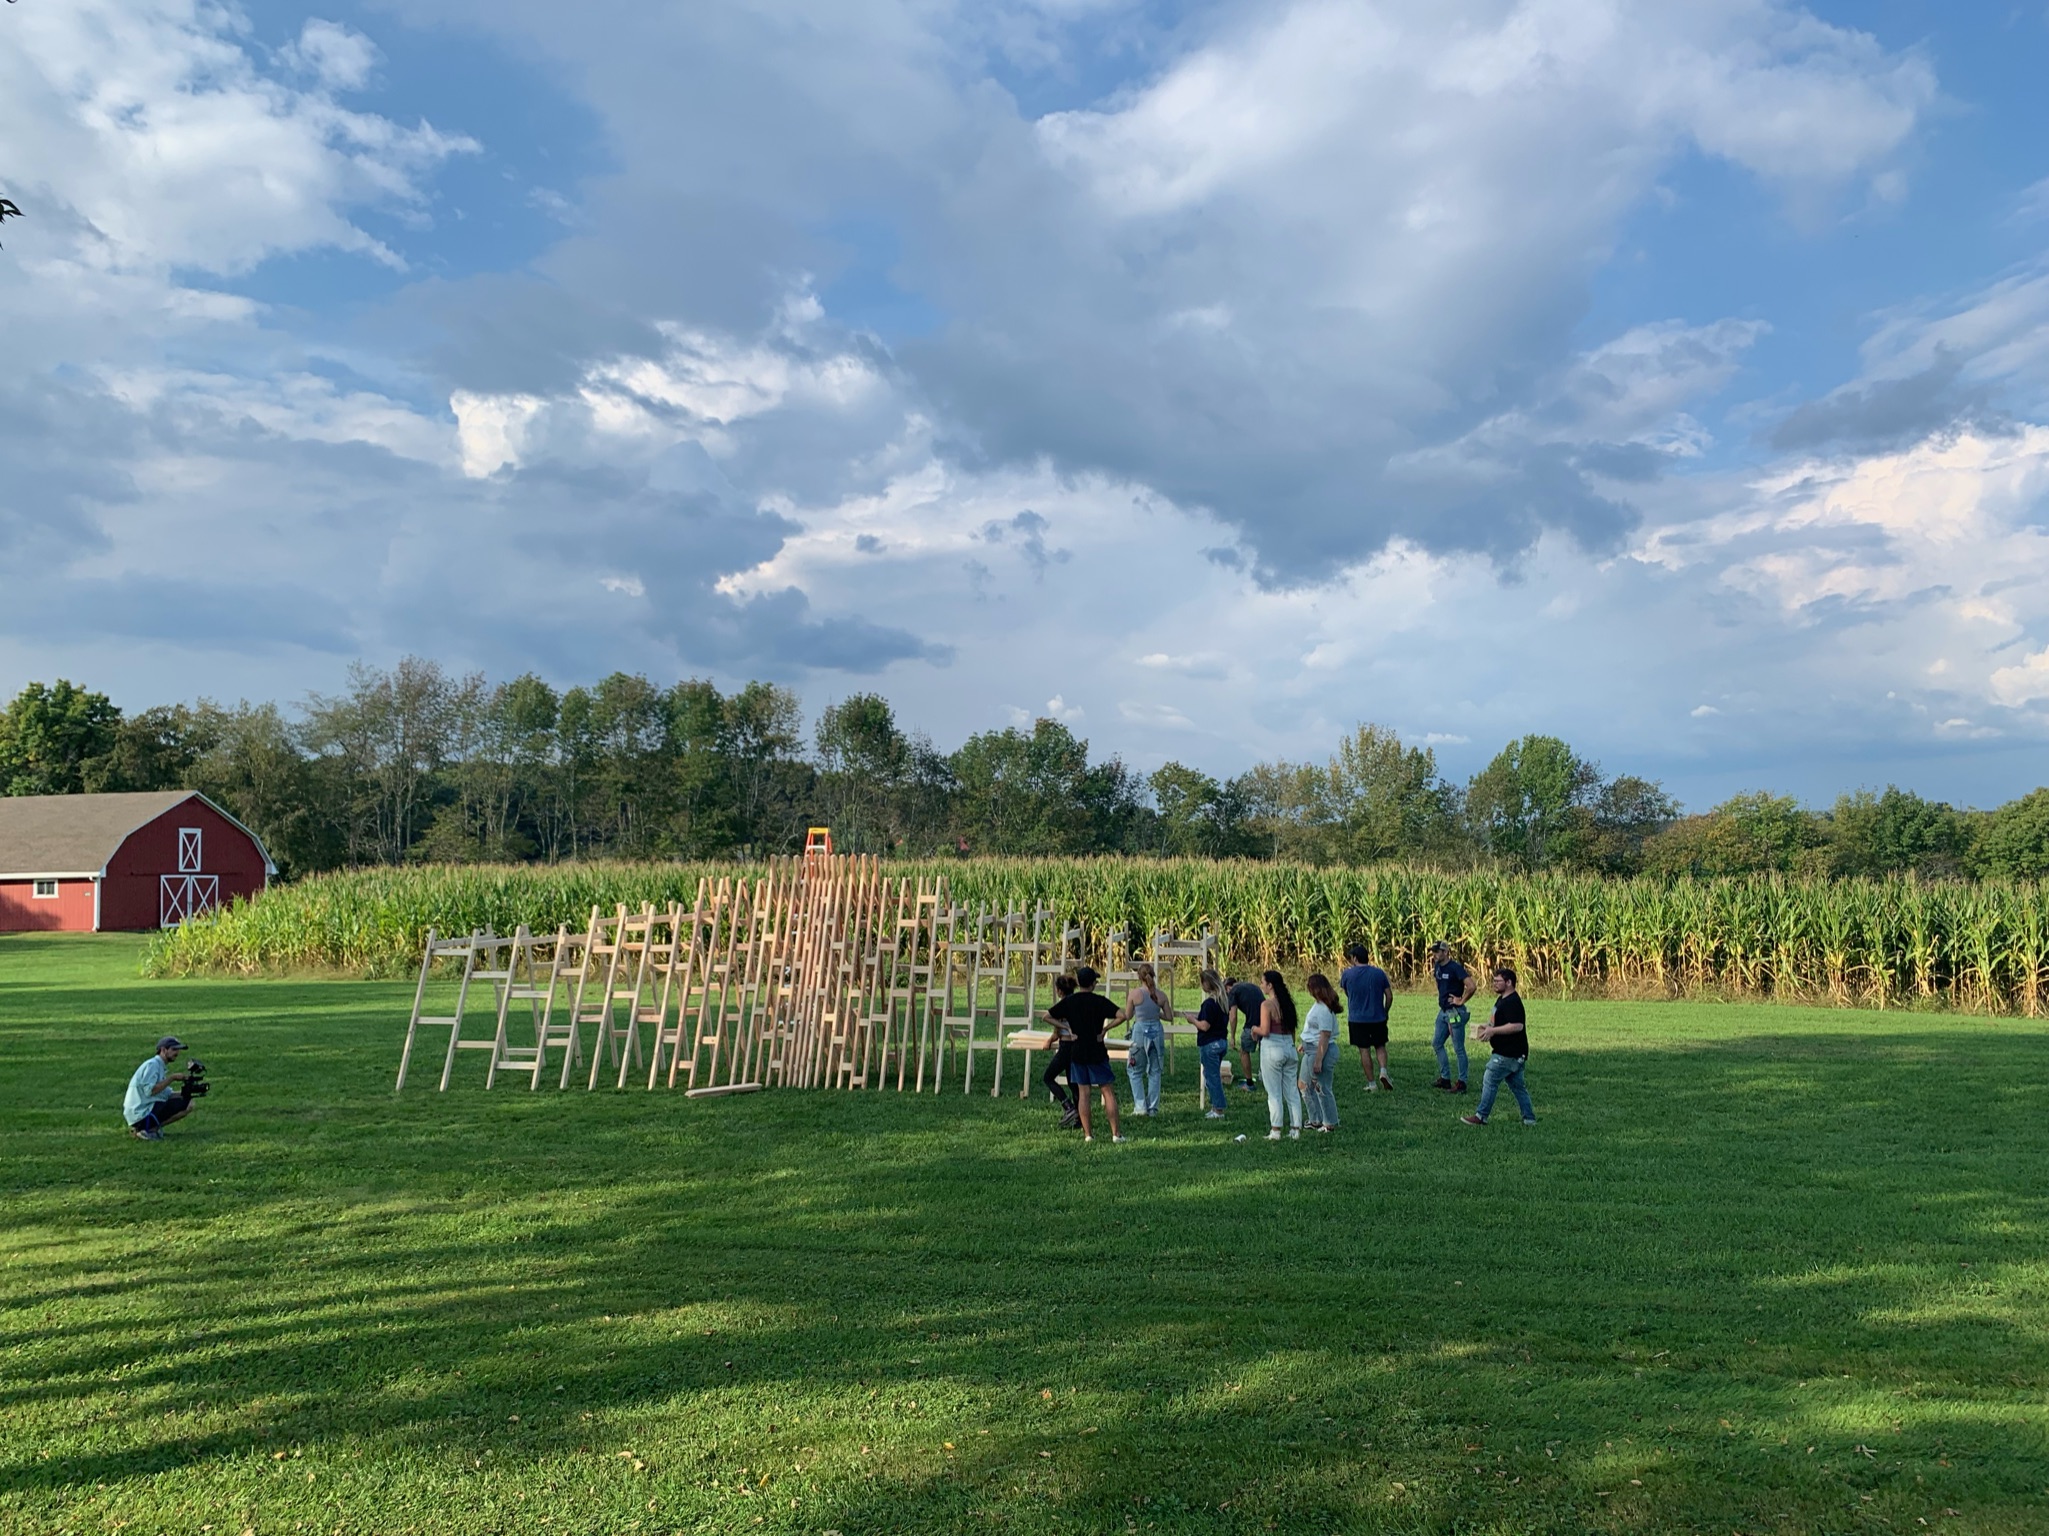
(196, 1085)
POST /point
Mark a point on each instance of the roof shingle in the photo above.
(73, 834)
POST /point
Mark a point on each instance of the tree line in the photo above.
(415, 763)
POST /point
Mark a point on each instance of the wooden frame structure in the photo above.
(816, 971)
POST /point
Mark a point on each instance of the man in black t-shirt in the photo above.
(1455, 987)
(1507, 1030)
(1245, 999)
(1088, 1014)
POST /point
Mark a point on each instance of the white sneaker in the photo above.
(1120, 1138)
(1213, 1114)
(1274, 1134)
(1295, 1134)
(1373, 1087)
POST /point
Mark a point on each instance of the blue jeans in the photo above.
(1319, 1092)
(1509, 1070)
(1451, 1024)
(1148, 1053)
(1213, 1073)
(1279, 1065)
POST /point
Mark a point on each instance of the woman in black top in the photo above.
(1212, 1023)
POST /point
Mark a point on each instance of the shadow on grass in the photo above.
(1767, 1231)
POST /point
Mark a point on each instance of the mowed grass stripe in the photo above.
(1737, 1233)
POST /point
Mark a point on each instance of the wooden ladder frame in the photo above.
(437, 948)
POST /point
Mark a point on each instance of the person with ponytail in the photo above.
(1320, 1054)
(1145, 1009)
(1212, 1041)
(1279, 1061)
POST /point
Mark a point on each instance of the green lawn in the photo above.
(1758, 1269)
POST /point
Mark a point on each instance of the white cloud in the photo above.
(1146, 714)
(1307, 292)
(492, 429)
(160, 144)
(2022, 684)
(1202, 665)
(340, 59)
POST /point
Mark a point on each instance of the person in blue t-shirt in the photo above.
(1455, 988)
(155, 1098)
(1368, 996)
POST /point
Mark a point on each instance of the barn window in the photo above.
(46, 889)
(188, 850)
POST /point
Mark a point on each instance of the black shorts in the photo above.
(1366, 1035)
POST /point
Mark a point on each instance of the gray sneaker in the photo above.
(147, 1133)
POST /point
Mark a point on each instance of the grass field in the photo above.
(1757, 1269)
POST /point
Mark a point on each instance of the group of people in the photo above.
(1297, 1052)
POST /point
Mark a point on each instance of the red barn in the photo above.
(92, 863)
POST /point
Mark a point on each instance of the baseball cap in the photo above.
(1440, 944)
(171, 1042)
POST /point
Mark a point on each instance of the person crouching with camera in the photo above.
(156, 1097)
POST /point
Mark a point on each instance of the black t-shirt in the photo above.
(1248, 1000)
(1212, 1023)
(1508, 1009)
(1451, 980)
(1087, 1014)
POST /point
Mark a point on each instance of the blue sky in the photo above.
(1670, 377)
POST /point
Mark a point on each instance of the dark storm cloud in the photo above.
(65, 449)
(1889, 413)
(508, 333)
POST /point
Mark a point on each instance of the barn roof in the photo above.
(75, 835)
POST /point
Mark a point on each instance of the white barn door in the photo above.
(187, 893)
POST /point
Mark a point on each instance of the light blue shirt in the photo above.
(142, 1089)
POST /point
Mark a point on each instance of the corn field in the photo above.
(1976, 946)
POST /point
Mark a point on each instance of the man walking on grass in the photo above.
(1368, 996)
(1455, 986)
(1508, 1032)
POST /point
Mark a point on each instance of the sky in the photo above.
(1672, 377)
